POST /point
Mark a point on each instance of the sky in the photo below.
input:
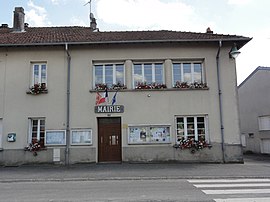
(249, 18)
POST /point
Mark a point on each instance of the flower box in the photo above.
(144, 85)
(38, 89)
(185, 85)
(192, 144)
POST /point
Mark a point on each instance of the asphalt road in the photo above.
(139, 182)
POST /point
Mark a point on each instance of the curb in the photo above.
(127, 179)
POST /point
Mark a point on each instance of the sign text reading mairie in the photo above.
(109, 109)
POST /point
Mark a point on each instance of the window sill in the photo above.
(37, 93)
(164, 89)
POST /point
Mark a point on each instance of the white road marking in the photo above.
(238, 191)
(232, 185)
(243, 200)
(227, 180)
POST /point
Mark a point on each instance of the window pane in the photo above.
(109, 75)
(187, 72)
(148, 73)
(36, 74)
(197, 72)
(119, 69)
(137, 74)
(190, 126)
(201, 127)
(180, 129)
(176, 72)
(98, 74)
(43, 74)
(158, 73)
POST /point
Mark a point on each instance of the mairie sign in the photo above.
(109, 109)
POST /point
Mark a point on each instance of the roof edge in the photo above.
(244, 40)
(254, 72)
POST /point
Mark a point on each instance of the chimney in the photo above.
(18, 20)
(4, 26)
(209, 31)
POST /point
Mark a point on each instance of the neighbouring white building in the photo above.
(254, 107)
(175, 95)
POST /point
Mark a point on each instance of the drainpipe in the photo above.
(220, 103)
(68, 108)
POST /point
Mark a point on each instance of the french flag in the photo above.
(102, 99)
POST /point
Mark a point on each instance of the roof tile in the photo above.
(75, 34)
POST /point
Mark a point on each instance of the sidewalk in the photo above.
(255, 166)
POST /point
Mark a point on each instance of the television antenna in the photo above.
(91, 16)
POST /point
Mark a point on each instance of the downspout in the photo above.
(68, 108)
(220, 103)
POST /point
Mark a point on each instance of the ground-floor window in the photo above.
(149, 134)
(191, 127)
(37, 131)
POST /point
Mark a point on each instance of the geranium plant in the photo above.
(192, 144)
(38, 88)
(103, 86)
(33, 147)
(118, 86)
(186, 85)
(144, 85)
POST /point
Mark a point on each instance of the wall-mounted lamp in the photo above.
(234, 52)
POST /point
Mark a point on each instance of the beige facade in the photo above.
(142, 107)
(176, 97)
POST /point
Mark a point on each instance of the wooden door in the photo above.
(109, 140)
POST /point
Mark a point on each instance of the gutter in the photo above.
(68, 107)
(244, 40)
(220, 104)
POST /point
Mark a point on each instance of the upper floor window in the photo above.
(39, 79)
(148, 74)
(39, 73)
(109, 75)
(264, 123)
(189, 73)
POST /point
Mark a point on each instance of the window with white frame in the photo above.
(191, 127)
(148, 73)
(264, 123)
(109, 74)
(39, 74)
(189, 72)
(81, 137)
(149, 134)
(37, 131)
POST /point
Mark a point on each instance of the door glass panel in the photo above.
(113, 140)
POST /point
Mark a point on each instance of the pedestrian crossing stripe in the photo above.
(241, 187)
(265, 199)
(232, 185)
(227, 180)
(237, 191)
